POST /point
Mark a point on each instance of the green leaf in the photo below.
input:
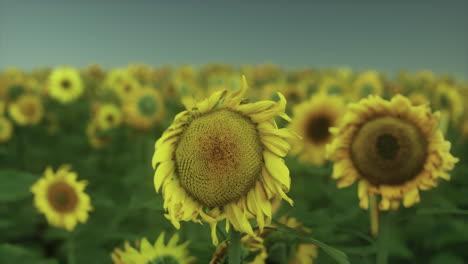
(15, 185)
(339, 256)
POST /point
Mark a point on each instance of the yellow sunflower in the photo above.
(333, 86)
(96, 140)
(65, 84)
(312, 120)
(126, 87)
(222, 159)
(449, 101)
(393, 148)
(157, 253)
(108, 116)
(6, 129)
(418, 98)
(26, 110)
(253, 251)
(368, 83)
(144, 108)
(61, 198)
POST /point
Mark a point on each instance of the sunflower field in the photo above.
(226, 165)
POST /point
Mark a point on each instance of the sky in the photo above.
(383, 35)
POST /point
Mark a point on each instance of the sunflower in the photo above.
(311, 121)
(157, 253)
(96, 140)
(253, 251)
(126, 87)
(368, 83)
(144, 108)
(26, 110)
(222, 159)
(108, 116)
(418, 98)
(6, 129)
(393, 148)
(449, 101)
(62, 198)
(333, 86)
(65, 84)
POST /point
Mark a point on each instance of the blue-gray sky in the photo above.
(386, 36)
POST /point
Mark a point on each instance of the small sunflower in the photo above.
(222, 159)
(96, 140)
(127, 87)
(449, 101)
(333, 86)
(61, 198)
(157, 253)
(26, 110)
(253, 251)
(108, 116)
(6, 129)
(312, 120)
(144, 108)
(65, 84)
(393, 148)
(368, 83)
(418, 98)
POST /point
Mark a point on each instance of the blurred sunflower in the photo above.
(144, 108)
(96, 140)
(127, 87)
(61, 198)
(449, 101)
(312, 120)
(6, 129)
(418, 98)
(65, 84)
(26, 110)
(393, 148)
(157, 253)
(108, 116)
(368, 83)
(333, 86)
(253, 251)
(222, 159)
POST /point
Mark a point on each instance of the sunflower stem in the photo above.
(234, 252)
(374, 215)
(382, 242)
(71, 249)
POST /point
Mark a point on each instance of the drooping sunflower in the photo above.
(6, 129)
(108, 116)
(26, 110)
(144, 108)
(65, 84)
(312, 120)
(222, 159)
(253, 251)
(393, 148)
(157, 253)
(61, 198)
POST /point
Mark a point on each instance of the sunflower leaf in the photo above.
(339, 256)
(15, 185)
